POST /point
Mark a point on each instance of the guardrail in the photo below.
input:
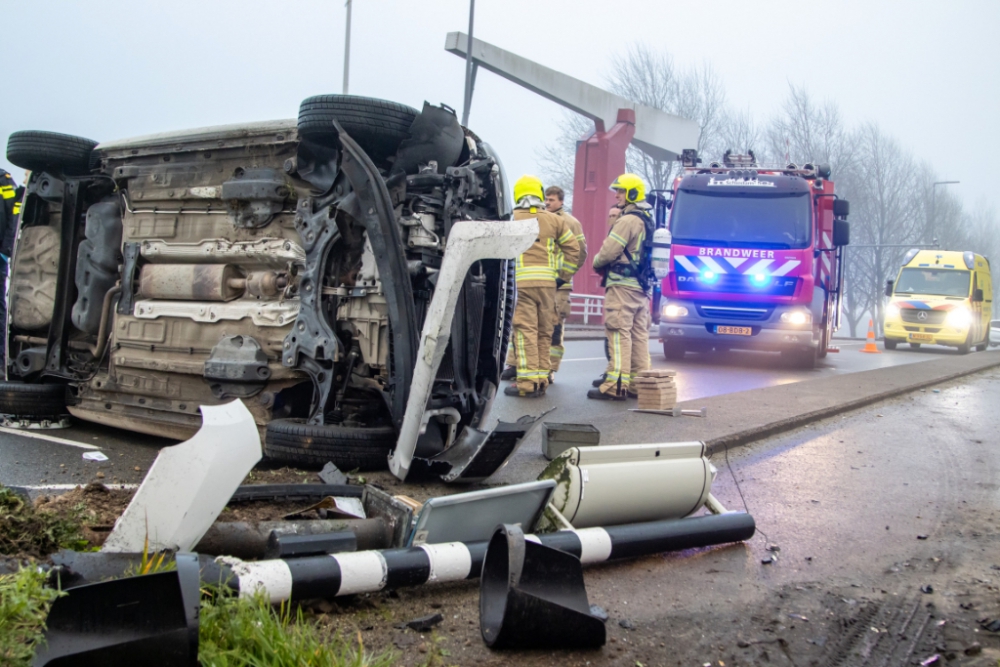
(587, 306)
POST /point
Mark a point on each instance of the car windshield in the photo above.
(773, 220)
(939, 282)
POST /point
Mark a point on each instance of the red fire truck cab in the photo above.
(756, 259)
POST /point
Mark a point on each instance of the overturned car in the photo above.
(288, 264)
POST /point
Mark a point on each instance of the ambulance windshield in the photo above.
(938, 282)
(741, 219)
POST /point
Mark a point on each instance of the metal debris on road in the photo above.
(424, 623)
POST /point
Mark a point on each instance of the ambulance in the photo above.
(940, 297)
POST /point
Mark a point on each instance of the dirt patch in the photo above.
(96, 505)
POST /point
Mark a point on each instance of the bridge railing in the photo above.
(586, 308)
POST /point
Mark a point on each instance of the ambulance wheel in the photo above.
(966, 347)
(889, 344)
(672, 350)
(50, 151)
(982, 347)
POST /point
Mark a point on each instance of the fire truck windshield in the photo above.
(735, 219)
(937, 282)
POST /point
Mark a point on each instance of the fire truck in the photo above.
(756, 260)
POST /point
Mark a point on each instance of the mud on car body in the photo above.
(289, 264)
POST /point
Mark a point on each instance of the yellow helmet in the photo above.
(528, 185)
(635, 189)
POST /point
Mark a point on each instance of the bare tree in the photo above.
(647, 77)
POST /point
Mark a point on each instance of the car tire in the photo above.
(672, 350)
(890, 344)
(50, 151)
(379, 126)
(347, 447)
(32, 400)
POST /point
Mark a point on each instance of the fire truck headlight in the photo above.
(960, 318)
(797, 317)
(672, 310)
(892, 310)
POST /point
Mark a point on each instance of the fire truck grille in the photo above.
(929, 316)
(736, 283)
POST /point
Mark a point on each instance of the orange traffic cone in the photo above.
(870, 346)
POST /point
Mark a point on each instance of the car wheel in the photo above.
(32, 400)
(672, 350)
(347, 447)
(379, 126)
(50, 151)
(890, 344)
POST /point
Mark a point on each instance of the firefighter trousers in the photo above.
(626, 322)
(557, 349)
(534, 319)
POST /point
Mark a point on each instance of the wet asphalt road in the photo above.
(26, 461)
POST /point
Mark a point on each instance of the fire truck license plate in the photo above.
(736, 331)
(920, 336)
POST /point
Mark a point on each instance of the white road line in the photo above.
(70, 487)
(50, 438)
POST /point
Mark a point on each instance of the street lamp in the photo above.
(934, 204)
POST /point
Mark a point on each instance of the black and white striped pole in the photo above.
(371, 571)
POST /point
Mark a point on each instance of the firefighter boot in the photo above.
(599, 395)
(514, 390)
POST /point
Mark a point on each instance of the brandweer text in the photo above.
(736, 252)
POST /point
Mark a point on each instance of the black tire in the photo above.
(966, 347)
(50, 151)
(379, 126)
(348, 448)
(890, 344)
(800, 358)
(982, 347)
(672, 350)
(32, 400)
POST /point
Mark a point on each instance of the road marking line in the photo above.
(587, 359)
(70, 487)
(50, 438)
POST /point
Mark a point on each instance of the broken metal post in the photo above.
(371, 571)
(468, 242)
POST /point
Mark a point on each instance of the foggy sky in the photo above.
(925, 71)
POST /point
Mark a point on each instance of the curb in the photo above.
(748, 436)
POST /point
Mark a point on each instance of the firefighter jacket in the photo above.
(629, 231)
(554, 254)
(577, 229)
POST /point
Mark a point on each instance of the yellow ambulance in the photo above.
(940, 297)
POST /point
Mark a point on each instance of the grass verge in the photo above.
(28, 533)
(250, 632)
(24, 604)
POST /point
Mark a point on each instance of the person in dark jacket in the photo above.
(10, 209)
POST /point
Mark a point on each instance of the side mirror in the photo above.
(669, 204)
(977, 295)
(841, 232)
(841, 208)
(888, 288)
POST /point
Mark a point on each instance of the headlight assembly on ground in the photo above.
(797, 317)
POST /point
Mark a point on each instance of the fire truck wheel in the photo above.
(672, 350)
(890, 344)
(800, 358)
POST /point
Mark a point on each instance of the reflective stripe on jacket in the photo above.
(577, 229)
(554, 254)
(629, 231)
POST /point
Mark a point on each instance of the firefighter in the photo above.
(622, 259)
(10, 205)
(554, 197)
(550, 262)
